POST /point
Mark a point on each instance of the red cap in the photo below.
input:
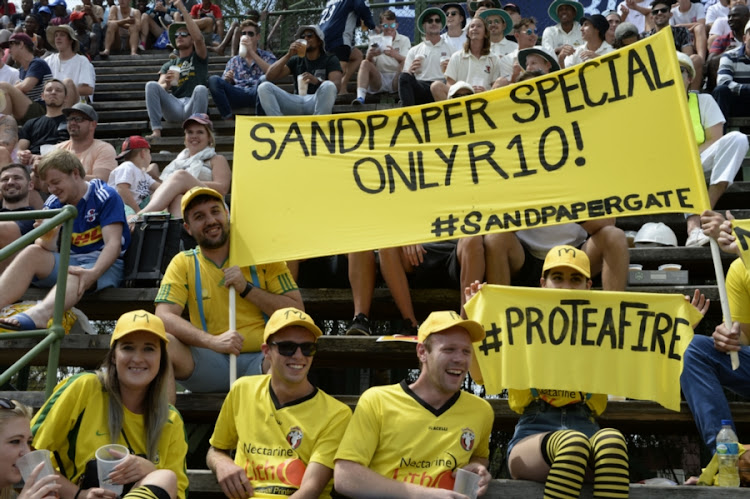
(76, 15)
(131, 143)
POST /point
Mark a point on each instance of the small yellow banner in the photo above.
(583, 143)
(628, 344)
(741, 230)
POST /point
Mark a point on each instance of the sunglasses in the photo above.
(452, 13)
(663, 10)
(684, 71)
(289, 348)
(181, 34)
(486, 4)
(308, 35)
(433, 20)
(7, 404)
(529, 32)
(249, 33)
(388, 25)
(76, 119)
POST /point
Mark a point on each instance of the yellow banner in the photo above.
(741, 230)
(627, 344)
(584, 143)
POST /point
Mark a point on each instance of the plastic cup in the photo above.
(243, 47)
(45, 148)
(443, 59)
(176, 79)
(670, 266)
(302, 48)
(31, 460)
(467, 483)
(107, 457)
(301, 85)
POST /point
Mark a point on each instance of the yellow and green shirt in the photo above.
(179, 287)
(400, 436)
(275, 443)
(73, 423)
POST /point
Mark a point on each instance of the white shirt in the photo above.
(503, 47)
(77, 68)
(9, 74)
(716, 11)
(482, 71)
(387, 64)
(635, 17)
(555, 37)
(720, 27)
(432, 54)
(456, 43)
(694, 14)
(507, 62)
(128, 173)
(575, 58)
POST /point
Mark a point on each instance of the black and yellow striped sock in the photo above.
(611, 468)
(567, 452)
(147, 492)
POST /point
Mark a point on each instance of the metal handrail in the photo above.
(51, 336)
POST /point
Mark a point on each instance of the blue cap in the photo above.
(55, 3)
(46, 9)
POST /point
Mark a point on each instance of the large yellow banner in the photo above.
(628, 344)
(607, 138)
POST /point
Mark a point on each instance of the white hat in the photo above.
(684, 60)
(459, 85)
(655, 234)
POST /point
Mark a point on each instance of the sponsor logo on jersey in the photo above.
(467, 439)
(89, 237)
(294, 437)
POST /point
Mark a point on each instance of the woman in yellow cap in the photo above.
(124, 402)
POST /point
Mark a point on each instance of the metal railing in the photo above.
(52, 336)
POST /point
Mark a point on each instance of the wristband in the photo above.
(249, 286)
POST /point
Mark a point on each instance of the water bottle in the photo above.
(728, 451)
(243, 47)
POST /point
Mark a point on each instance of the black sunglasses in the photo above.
(663, 10)
(433, 20)
(308, 35)
(289, 348)
(249, 33)
(7, 404)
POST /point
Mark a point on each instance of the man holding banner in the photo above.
(707, 367)
(200, 279)
(407, 440)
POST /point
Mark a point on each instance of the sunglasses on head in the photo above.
(663, 10)
(289, 348)
(7, 404)
(181, 34)
(249, 33)
(389, 25)
(433, 20)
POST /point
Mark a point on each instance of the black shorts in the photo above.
(25, 226)
(342, 52)
(440, 268)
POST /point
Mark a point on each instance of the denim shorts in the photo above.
(111, 278)
(540, 417)
(211, 371)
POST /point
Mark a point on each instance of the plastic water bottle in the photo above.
(727, 448)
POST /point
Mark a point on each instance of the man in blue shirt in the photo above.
(97, 245)
(338, 22)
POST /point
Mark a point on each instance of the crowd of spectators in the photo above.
(49, 154)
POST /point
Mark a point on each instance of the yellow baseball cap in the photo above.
(138, 320)
(290, 316)
(198, 191)
(438, 322)
(567, 256)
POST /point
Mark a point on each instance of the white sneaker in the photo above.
(697, 238)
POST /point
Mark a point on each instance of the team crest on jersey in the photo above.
(91, 215)
(467, 439)
(294, 437)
